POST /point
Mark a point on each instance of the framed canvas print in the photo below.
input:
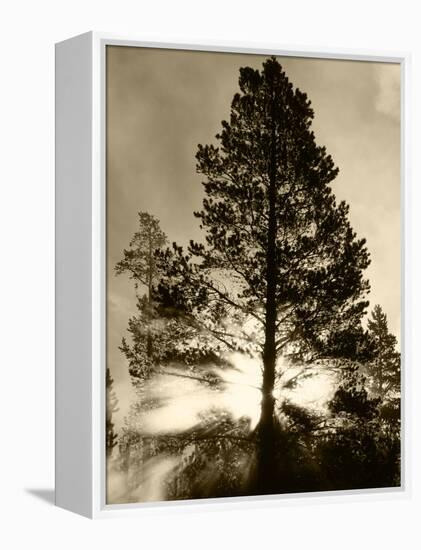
(229, 318)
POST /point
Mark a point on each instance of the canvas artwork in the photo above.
(253, 293)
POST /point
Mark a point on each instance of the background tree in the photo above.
(139, 260)
(384, 369)
(354, 447)
(157, 336)
(140, 264)
(279, 251)
(112, 407)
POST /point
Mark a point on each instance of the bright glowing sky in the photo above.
(162, 103)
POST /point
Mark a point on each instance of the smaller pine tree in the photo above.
(140, 264)
(384, 369)
(112, 407)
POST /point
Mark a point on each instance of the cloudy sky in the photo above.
(162, 103)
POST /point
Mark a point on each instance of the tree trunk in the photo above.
(266, 459)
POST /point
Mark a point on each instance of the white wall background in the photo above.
(28, 31)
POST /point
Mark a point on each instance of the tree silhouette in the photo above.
(157, 337)
(357, 449)
(384, 369)
(112, 407)
(139, 260)
(140, 264)
(281, 269)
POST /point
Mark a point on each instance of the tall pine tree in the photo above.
(279, 255)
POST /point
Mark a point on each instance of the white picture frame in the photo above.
(80, 276)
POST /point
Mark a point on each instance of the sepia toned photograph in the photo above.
(253, 294)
